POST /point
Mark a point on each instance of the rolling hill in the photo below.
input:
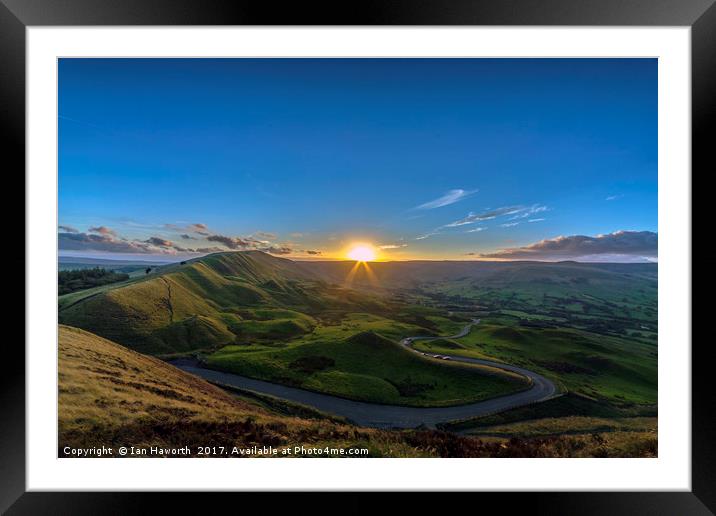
(265, 317)
(591, 327)
(366, 366)
(209, 302)
(544, 276)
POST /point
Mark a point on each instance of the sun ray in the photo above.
(372, 279)
(352, 273)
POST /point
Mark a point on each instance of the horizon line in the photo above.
(172, 260)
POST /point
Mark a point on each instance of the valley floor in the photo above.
(392, 416)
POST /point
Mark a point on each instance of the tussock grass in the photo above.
(112, 396)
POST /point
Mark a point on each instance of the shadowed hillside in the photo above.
(206, 303)
(112, 396)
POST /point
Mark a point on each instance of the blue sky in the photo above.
(428, 158)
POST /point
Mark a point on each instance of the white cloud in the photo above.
(472, 217)
(450, 197)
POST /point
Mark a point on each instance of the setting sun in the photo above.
(362, 253)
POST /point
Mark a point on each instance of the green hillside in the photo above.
(590, 327)
(209, 302)
(112, 396)
(611, 369)
(270, 318)
(415, 273)
(366, 366)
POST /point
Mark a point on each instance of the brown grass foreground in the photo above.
(112, 396)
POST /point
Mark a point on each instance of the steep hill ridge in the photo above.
(202, 304)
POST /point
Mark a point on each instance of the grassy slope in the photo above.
(360, 359)
(202, 305)
(591, 327)
(620, 299)
(254, 309)
(606, 278)
(607, 298)
(112, 396)
(568, 425)
(568, 414)
(609, 368)
(272, 317)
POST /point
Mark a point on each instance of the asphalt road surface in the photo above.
(390, 416)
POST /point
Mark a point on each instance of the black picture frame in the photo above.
(17, 15)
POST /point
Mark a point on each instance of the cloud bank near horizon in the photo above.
(623, 245)
(106, 240)
(630, 245)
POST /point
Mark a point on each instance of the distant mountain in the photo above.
(410, 274)
(64, 261)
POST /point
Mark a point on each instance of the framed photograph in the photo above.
(448, 248)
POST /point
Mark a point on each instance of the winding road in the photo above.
(390, 416)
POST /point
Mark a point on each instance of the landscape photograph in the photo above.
(357, 258)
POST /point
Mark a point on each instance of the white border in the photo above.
(671, 471)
